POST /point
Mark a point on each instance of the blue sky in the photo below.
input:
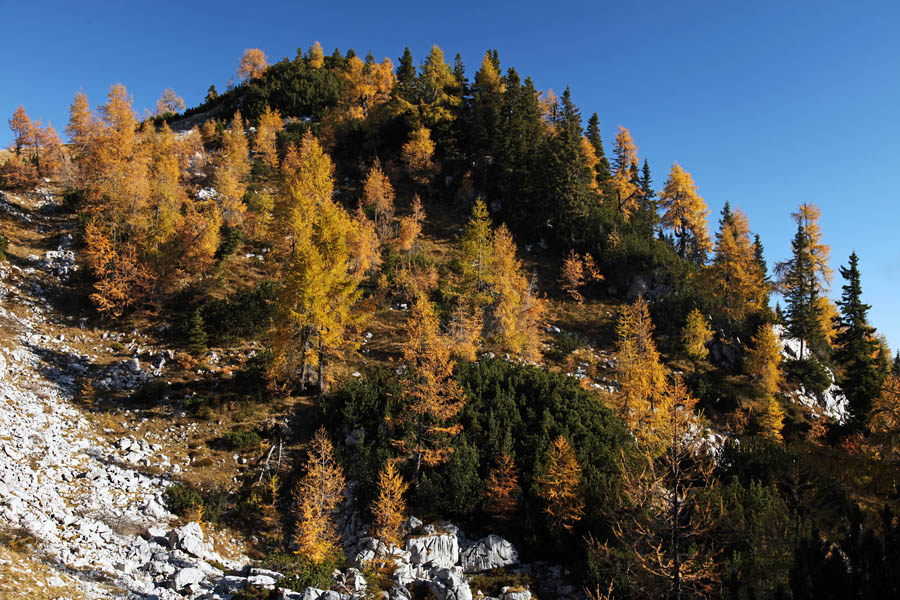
(767, 104)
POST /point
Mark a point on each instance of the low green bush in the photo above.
(182, 499)
(240, 440)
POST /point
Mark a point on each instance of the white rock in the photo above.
(186, 577)
(491, 552)
(441, 550)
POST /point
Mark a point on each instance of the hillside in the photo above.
(358, 330)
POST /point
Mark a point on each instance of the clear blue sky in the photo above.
(767, 104)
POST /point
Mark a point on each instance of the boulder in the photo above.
(514, 593)
(316, 594)
(440, 550)
(450, 584)
(186, 577)
(491, 552)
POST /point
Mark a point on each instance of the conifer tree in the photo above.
(270, 123)
(406, 75)
(431, 396)
(801, 293)
(502, 487)
(771, 420)
(640, 372)
(389, 506)
(558, 484)
(735, 276)
(418, 156)
(316, 56)
(378, 193)
(196, 337)
(601, 167)
(695, 335)
(318, 495)
(232, 170)
(763, 360)
(253, 64)
(685, 215)
(624, 185)
(857, 347)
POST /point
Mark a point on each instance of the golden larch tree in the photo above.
(431, 396)
(316, 56)
(169, 102)
(517, 314)
(270, 123)
(22, 128)
(253, 64)
(883, 423)
(695, 335)
(771, 419)
(410, 227)
(559, 485)
(662, 532)
(389, 507)
(763, 359)
(418, 156)
(232, 170)
(734, 277)
(378, 194)
(502, 487)
(624, 187)
(318, 495)
(640, 372)
(572, 276)
(685, 214)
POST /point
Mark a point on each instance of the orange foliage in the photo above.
(502, 485)
(253, 64)
(318, 495)
(389, 505)
(559, 483)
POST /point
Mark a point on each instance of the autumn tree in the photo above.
(270, 123)
(695, 335)
(476, 246)
(502, 487)
(253, 64)
(572, 276)
(317, 495)
(378, 194)
(169, 102)
(734, 275)
(316, 56)
(771, 419)
(434, 101)
(232, 169)
(516, 313)
(121, 280)
(640, 372)
(22, 128)
(685, 213)
(663, 530)
(418, 156)
(883, 420)
(410, 227)
(313, 240)
(558, 484)
(81, 127)
(763, 359)
(389, 507)
(367, 85)
(431, 396)
(624, 186)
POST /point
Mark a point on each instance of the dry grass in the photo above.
(23, 575)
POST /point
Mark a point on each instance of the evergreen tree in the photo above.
(406, 75)
(760, 259)
(601, 169)
(801, 294)
(857, 346)
(196, 335)
(895, 367)
(459, 71)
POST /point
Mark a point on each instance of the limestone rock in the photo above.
(491, 552)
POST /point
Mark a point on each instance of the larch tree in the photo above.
(883, 420)
(476, 246)
(435, 102)
(317, 495)
(771, 419)
(857, 348)
(695, 335)
(431, 396)
(410, 227)
(169, 102)
(640, 372)
(313, 241)
(516, 313)
(624, 186)
(378, 194)
(685, 214)
(390, 507)
(418, 156)
(264, 143)
(663, 529)
(253, 64)
(734, 275)
(232, 170)
(558, 484)
(22, 128)
(81, 127)
(572, 276)
(763, 359)
(167, 195)
(502, 487)
(316, 56)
